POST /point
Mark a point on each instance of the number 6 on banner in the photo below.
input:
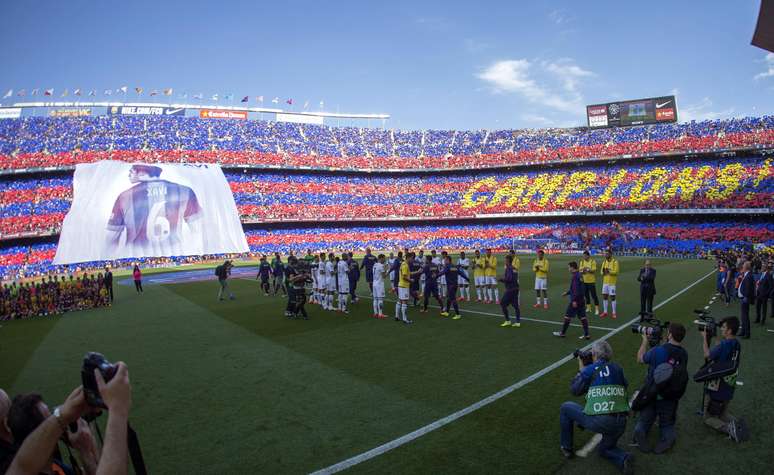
(157, 229)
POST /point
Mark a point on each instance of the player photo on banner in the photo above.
(124, 210)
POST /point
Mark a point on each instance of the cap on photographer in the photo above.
(667, 377)
(607, 407)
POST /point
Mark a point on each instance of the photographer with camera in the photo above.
(720, 391)
(604, 384)
(666, 380)
(38, 443)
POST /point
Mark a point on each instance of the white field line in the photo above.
(386, 447)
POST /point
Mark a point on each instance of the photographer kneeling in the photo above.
(720, 391)
(604, 384)
(666, 380)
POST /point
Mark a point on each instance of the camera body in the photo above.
(706, 323)
(93, 361)
(585, 356)
(651, 327)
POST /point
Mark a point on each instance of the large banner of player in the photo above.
(125, 210)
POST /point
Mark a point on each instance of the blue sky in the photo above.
(440, 65)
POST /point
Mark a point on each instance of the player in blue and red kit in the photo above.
(577, 305)
(453, 274)
(430, 271)
(511, 296)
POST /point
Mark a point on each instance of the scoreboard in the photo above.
(655, 110)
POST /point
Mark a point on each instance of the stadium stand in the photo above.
(38, 205)
(35, 142)
(532, 172)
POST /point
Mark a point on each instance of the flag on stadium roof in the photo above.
(322, 104)
(228, 97)
(260, 99)
(48, 92)
(290, 101)
(214, 97)
(123, 89)
(275, 100)
(168, 91)
(245, 99)
(184, 96)
(93, 92)
(108, 92)
(8, 94)
(34, 92)
(77, 92)
(64, 94)
(306, 105)
(138, 90)
(199, 96)
(154, 92)
(21, 92)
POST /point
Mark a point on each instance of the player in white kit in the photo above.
(464, 264)
(380, 272)
(330, 282)
(343, 275)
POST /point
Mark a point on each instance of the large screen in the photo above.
(125, 210)
(655, 110)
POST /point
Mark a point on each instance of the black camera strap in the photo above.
(135, 453)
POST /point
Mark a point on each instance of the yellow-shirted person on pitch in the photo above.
(541, 268)
(588, 270)
(479, 275)
(490, 272)
(609, 278)
(404, 282)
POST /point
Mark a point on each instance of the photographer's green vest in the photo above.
(607, 390)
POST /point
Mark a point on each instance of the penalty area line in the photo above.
(395, 443)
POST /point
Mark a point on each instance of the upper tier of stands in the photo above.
(34, 142)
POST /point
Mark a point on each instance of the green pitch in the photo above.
(234, 387)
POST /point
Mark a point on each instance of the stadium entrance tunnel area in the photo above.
(235, 387)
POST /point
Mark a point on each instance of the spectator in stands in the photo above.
(7, 449)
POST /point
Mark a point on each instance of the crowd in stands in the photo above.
(671, 237)
(39, 204)
(33, 142)
(51, 296)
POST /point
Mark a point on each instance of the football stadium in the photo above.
(298, 290)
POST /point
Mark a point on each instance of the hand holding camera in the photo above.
(117, 392)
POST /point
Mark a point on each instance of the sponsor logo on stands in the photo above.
(144, 110)
(10, 112)
(222, 114)
(69, 112)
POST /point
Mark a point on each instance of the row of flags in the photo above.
(154, 92)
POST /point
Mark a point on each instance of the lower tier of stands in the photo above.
(666, 236)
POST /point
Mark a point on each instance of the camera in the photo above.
(651, 327)
(585, 356)
(91, 362)
(706, 323)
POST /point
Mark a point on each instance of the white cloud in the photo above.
(551, 84)
(769, 60)
(702, 110)
(559, 17)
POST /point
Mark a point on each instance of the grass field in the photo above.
(234, 387)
